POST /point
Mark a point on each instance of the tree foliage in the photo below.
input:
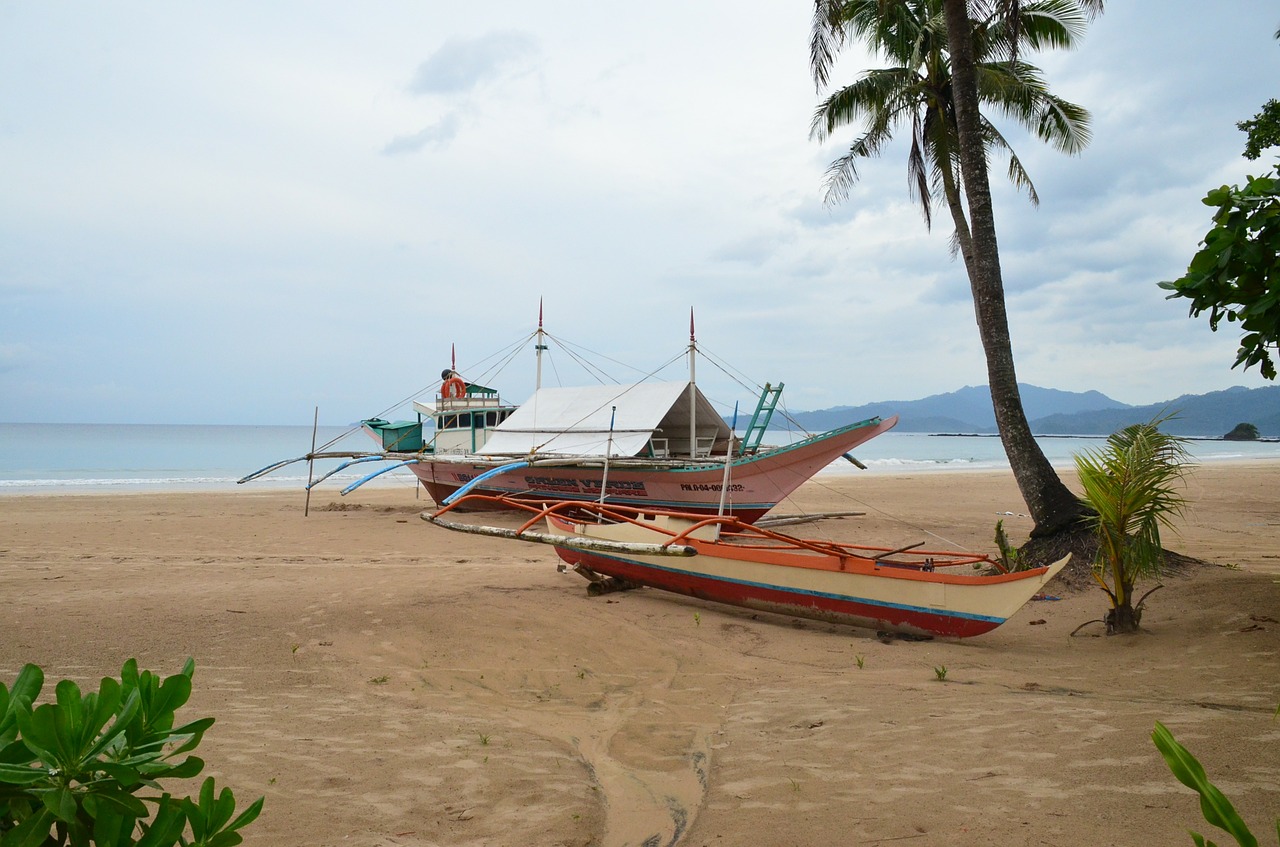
(1242, 432)
(915, 91)
(1236, 273)
(1263, 130)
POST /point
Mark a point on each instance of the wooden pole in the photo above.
(311, 462)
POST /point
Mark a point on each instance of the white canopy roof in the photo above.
(576, 421)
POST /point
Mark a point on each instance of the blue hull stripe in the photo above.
(946, 613)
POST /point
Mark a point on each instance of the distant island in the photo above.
(1054, 412)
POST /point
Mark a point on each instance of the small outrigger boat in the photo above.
(727, 560)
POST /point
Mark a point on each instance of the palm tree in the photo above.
(950, 143)
(918, 90)
(1050, 503)
(1131, 485)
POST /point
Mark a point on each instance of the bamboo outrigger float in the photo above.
(727, 560)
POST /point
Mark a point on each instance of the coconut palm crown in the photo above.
(916, 90)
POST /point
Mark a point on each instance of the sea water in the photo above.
(96, 458)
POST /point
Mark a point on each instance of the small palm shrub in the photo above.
(1131, 488)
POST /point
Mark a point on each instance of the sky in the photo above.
(241, 212)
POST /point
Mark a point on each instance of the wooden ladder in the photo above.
(760, 420)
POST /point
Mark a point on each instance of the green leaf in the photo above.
(113, 795)
(187, 768)
(62, 803)
(26, 685)
(1214, 806)
(21, 774)
(110, 828)
(31, 832)
(195, 734)
(39, 734)
(122, 721)
(250, 815)
(167, 827)
(209, 817)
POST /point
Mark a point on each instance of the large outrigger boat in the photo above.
(647, 444)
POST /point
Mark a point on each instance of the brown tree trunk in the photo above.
(1052, 505)
(1123, 619)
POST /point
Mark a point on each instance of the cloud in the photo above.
(14, 357)
(438, 134)
(753, 250)
(462, 64)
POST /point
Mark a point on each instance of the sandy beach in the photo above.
(386, 682)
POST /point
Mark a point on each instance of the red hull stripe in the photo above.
(737, 592)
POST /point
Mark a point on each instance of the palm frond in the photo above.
(912, 34)
(839, 179)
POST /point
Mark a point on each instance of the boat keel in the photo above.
(597, 584)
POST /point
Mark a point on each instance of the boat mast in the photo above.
(728, 462)
(539, 346)
(693, 391)
(608, 453)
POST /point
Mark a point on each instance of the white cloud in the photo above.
(341, 195)
(461, 64)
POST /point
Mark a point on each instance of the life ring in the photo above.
(454, 388)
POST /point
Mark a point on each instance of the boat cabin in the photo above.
(463, 416)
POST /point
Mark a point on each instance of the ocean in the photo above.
(121, 458)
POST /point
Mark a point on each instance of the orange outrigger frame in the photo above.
(734, 534)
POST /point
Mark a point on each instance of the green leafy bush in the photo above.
(86, 768)
(1214, 805)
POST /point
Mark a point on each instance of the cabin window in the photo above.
(462, 421)
(491, 418)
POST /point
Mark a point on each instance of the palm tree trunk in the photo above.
(1052, 505)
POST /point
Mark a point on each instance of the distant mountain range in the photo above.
(1054, 412)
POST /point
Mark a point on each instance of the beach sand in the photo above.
(386, 682)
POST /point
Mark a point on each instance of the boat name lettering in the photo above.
(628, 486)
(552, 483)
(709, 486)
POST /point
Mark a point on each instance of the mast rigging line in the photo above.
(747, 384)
(492, 366)
(570, 347)
(615, 397)
(509, 352)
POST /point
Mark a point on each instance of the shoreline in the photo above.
(837, 470)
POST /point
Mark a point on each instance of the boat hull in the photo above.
(756, 483)
(813, 585)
